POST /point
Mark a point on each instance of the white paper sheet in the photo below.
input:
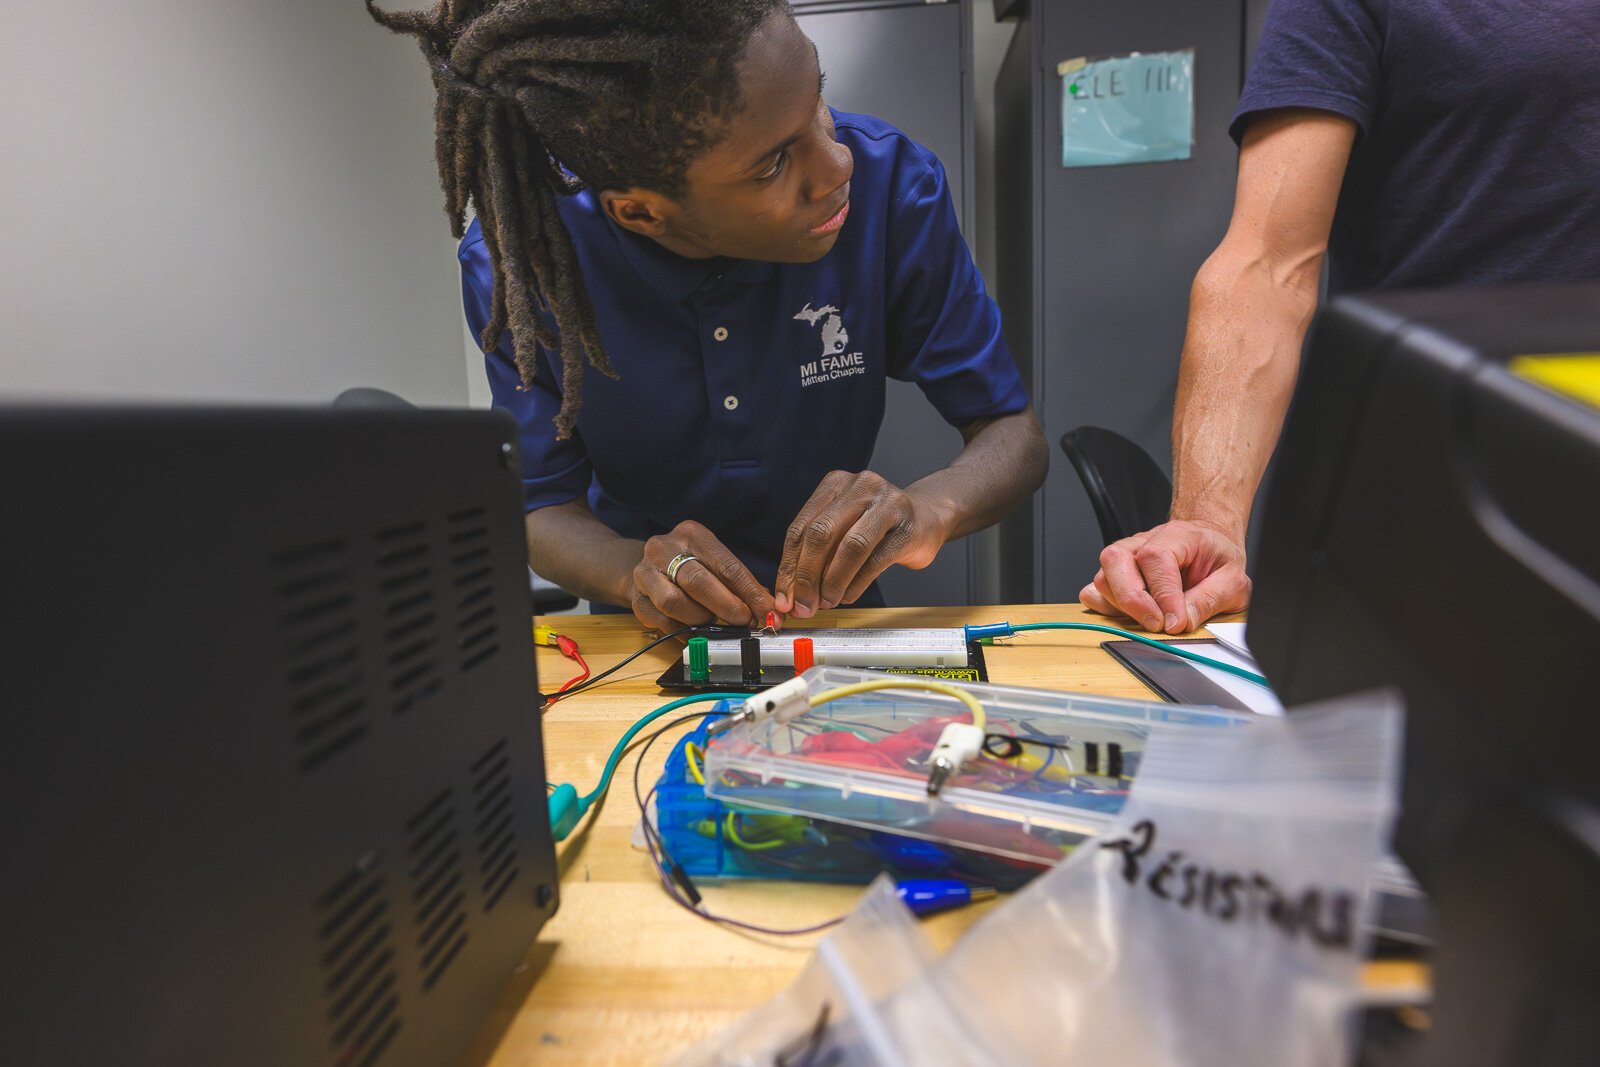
(1258, 699)
(1232, 635)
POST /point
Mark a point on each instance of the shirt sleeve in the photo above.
(943, 330)
(1323, 54)
(553, 472)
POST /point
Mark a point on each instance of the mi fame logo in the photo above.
(835, 362)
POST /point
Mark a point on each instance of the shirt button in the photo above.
(730, 402)
(720, 333)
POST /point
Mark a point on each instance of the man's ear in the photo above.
(640, 210)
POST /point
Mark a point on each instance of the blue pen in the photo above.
(924, 896)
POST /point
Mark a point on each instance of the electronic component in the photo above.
(924, 896)
(750, 659)
(1420, 466)
(780, 703)
(959, 742)
(191, 888)
(930, 647)
(939, 653)
(710, 839)
(1042, 771)
(699, 661)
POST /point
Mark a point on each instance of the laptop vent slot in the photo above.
(493, 819)
(358, 966)
(411, 652)
(437, 890)
(472, 587)
(316, 597)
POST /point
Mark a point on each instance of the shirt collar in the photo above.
(674, 276)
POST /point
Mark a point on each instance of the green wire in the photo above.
(567, 808)
(1250, 676)
(616, 753)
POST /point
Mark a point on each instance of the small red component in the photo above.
(772, 621)
(804, 655)
(569, 649)
(895, 752)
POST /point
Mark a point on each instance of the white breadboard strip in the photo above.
(854, 648)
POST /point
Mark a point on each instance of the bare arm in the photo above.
(869, 525)
(1002, 462)
(1249, 308)
(1248, 313)
(857, 525)
(571, 547)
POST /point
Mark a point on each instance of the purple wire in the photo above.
(683, 902)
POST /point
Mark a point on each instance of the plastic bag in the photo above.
(1221, 920)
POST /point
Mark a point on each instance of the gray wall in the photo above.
(1097, 262)
(990, 40)
(220, 198)
(907, 63)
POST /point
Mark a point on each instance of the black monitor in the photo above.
(272, 782)
(1434, 525)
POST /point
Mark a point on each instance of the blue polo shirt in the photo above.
(742, 383)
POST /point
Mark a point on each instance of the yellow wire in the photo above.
(730, 825)
(749, 846)
(978, 718)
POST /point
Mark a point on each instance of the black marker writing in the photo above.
(1325, 917)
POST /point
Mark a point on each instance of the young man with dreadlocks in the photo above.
(690, 278)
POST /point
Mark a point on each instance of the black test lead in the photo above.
(750, 659)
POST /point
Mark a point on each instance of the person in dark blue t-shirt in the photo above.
(1416, 143)
(691, 279)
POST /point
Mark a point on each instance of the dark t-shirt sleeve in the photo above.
(1323, 54)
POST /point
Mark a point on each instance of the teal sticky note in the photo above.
(1137, 108)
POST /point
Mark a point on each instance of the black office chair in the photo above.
(549, 597)
(1127, 488)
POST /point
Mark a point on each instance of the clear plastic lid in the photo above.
(1054, 767)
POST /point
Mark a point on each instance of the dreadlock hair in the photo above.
(540, 98)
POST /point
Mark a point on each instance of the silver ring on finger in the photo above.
(677, 564)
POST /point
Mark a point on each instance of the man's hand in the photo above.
(854, 527)
(1172, 578)
(714, 585)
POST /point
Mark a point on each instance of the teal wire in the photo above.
(1250, 676)
(622, 746)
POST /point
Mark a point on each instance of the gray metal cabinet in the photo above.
(909, 64)
(1095, 264)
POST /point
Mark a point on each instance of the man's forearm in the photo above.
(1247, 320)
(569, 546)
(1004, 460)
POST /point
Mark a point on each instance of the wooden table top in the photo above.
(621, 975)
